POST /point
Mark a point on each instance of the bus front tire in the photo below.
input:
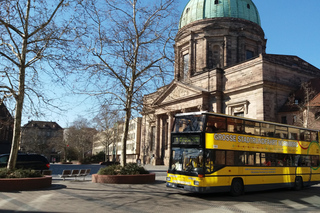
(237, 188)
(298, 184)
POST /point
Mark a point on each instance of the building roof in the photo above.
(314, 89)
(204, 9)
(42, 125)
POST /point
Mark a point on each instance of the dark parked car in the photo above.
(27, 161)
(109, 163)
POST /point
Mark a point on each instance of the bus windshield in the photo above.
(187, 160)
(192, 123)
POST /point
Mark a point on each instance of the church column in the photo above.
(169, 129)
(157, 142)
(160, 156)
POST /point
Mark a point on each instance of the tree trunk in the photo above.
(17, 123)
(125, 132)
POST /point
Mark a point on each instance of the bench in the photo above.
(75, 173)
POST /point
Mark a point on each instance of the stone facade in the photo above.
(110, 141)
(220, 66)
(6, 130)
(42, 137)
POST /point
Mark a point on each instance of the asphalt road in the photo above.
(84, 196)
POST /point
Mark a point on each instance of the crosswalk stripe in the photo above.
(313, 200)
(220, 209)
(247, 207)
(38, 202)
(4, 202)
(293, 204)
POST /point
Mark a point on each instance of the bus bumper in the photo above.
(198, 189)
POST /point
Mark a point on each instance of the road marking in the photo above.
(313, 200)
(15, 202)
(220, 209)
(247, 207)
(38, 202)
(5, 201)
(293, 204)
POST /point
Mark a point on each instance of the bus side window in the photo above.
(230, 158)
(294, 134)
(216, 124)
(314, 136)
(258, 160)
(209, 161)
(315, 161)
(240, 158)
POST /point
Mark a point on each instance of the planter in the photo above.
(23, 184)
(124, 179)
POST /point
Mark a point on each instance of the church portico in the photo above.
(220, 66)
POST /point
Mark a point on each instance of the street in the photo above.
(84, 196)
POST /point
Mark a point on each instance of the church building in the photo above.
(221, 65)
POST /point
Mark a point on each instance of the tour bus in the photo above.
(213, 152)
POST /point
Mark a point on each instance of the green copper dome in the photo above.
(203, 9)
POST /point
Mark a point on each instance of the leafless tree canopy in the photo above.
(80, 137)
(129, 45)
(33, 40)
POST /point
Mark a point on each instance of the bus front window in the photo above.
(189, 124)
(187, 160)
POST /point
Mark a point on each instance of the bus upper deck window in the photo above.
(192, 123)
(314, 137)
(216, 124)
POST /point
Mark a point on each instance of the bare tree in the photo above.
(105, 121)
(80, 137)
(129, 42)
(300, 103)
(29, 31)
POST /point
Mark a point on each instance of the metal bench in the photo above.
(75, 173)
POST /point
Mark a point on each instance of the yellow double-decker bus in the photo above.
(213, 152)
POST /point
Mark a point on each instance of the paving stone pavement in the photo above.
(84, 196)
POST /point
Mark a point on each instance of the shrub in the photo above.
(133, 169)
(110, 170)
(128, 169)
(19, 173)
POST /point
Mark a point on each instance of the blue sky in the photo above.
(292, 27)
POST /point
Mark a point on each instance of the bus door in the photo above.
(303, 168)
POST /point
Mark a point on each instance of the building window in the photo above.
(296, 101)
(240, 114)
(214, 56)
(249, 54)
(248, 6)
(317, 116)
(216, 2)
(238, 108)
(284, 119)
(185, 66)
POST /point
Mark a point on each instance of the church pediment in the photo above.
(177, 91)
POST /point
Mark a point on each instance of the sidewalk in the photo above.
(160, 171)
(84, 196)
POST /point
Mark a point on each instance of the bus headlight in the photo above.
(196, 183)
(168, 179)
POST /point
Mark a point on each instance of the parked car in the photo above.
(27, 161)
(109, 163)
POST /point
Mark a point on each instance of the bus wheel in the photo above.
(237, 188)
(298, 184)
